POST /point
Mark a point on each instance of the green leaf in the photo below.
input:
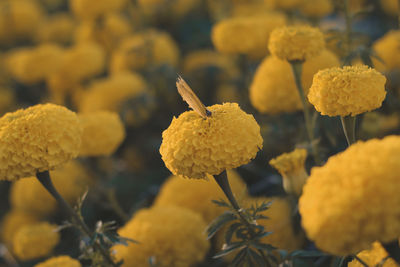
(307, 253)
(221, 203)
(264, 206)
(262, 246)
(239, 258)
(230, 248)
(257, 258)
(231, 230)
(219, 222)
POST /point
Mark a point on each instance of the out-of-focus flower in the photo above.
(390, 7)
(296, 43)
(59, 261)
(350, 90)
(33, 65)
(388, 50)
(316, 8)
(374, 257)
(103, 132)
(194, 147)
(375, 124)
(283, 4)
(291, 167)
(357, 188)
(35, 240)
(12, 222)
(174, 236)
(246, 35)
(71, 181)
(273, 89)
(58, 29)
(143, 49)
(166, 8)
(37, 139)
(89, 10)
(197, 195)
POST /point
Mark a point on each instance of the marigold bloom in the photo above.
(388, 49)
(374, 257)
(273, 89)
(59, 261)
(291, 167)
(174, 236)
(350, 90)
(198, 195)
(35, 240)
(148, 48)
(359, 189)
(157, 8)
(317, 9)
(103, 132)
(28, 195)
(246, 35)
(12, 222)
(296, 43)
(58, 29)
(37, 139)
(194, 147)
(283, 4)
(88, 10)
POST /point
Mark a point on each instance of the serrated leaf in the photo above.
(231, 230)
(262, 246)
(239, 258)
(263, 234)
(229, 249)
(261, 217)
(307, 253)
(242, 233)
(264, 206)
(219, 222)
(256, 257)
(221, 203)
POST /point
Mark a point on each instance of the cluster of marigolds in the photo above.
(96, 69)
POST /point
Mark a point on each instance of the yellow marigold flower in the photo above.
(390, 7)
(249, 8)
(291, 167)
(350, 90)
(162, 8)
(12, 222)
(319, 8)
(354, 188)
(103, 132)
(37, 139)
(150, 47)
(89, 10)
(374, 257)
(174, 236)
(32, 65)
(273, 89)
(108, 31)
(60, 261)
(388, 49)
(58, 29)
(283, 4)
(194, 147)
(71, 181)
(246, 35)
(197, 195)
(35, 240)
(296, 43)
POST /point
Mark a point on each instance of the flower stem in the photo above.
(297, 67)
(393, 249)
(45, 180)
(348, 31)
(349, 128)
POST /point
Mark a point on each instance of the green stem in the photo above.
(348, 31)
(349, 128)
(393, 250)
(297, 68)
(45, 180)
(363, 263)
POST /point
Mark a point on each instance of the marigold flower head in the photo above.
(194, 147)
(35, 240)
(32, 65)
(374, 257)
(317, 9)
(388, 49)
(59, 261)
(103, 132)
(197, 195)
(359, 191)
(163, 8)
(246, 35)
(57, 28)
(273, 89)
(148, 48)
(350, 90)
(291, 167)
(28, 195)
(37, 139)
(296, 43)
(12, 222)
(88, 10)
(174, 236)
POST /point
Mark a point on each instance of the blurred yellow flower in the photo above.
(283, 4)
(12, 222)
(296, 43)
(174, 236)
(374, 257)
(37, 139)
(58, 28)
(35, 240)
(246, 35)
(387, 49)
(165, 8)
(316, 8)
(89, 10)
(390, 7)
(350, 90)
(353, 199)
(103, 132)
(194, 147)
(59, 261)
